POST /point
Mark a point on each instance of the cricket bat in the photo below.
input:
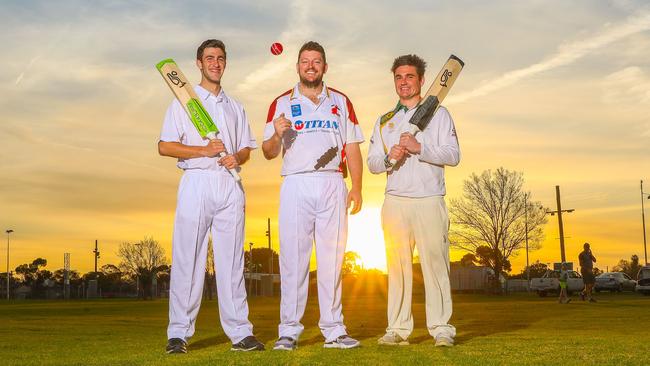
(186, 95)
(434, 96)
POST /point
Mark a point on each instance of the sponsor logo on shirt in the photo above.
(295, 110)
(314, 124)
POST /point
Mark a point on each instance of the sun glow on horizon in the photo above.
(366, 238)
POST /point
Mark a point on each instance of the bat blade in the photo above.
(184, 92)
(437, 93)
(182, 89)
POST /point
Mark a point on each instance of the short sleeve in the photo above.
(172, 128)
(353, 130)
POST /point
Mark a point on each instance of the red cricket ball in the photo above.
(276, 48)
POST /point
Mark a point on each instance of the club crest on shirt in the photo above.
(335, 110)
(295, 110)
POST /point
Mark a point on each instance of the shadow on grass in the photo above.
(208, 342)
(501, 314)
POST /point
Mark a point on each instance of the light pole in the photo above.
(643, 198)
(268, 233)
(526, 220)
(559, 220)
(250, 269)
(8, 231)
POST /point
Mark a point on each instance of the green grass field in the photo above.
(492, 330)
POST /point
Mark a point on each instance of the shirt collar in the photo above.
(399, 106)
(204, 94)
(295, 93)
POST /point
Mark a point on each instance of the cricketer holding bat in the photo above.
(210, 202)
(414, 211)
(315, 128)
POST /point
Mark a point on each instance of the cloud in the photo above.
(630, 85)
(566, 54)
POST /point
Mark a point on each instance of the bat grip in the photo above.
(413, 130)
(233, 172)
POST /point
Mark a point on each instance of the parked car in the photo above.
(614, 281)
(550, 282)
(643, 280)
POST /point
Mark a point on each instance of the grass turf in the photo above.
(492, 330)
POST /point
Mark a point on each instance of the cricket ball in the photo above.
(276, 48)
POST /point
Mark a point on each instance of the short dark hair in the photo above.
(210, 43)
(410, 60)
(586, 245)
(312, 46)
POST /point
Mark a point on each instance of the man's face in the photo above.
(212, 64)
(407, 82)
(311, 68)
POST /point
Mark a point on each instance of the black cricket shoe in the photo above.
(176, 345)
(249, 343)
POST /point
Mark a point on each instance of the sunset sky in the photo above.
(557, 90)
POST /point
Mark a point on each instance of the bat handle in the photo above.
(233, 172)
(413, 130)
(392, 163)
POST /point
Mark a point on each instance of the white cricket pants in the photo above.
(209, 202)
(421, 222)
(312, 209)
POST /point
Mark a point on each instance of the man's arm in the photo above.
(355, 165)
(235, 160)
(439, 145)
(181, 151)
(376, 155)
(272, 147)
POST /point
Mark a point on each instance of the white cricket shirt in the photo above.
(421, 175)
(319, 132)
(229, 117)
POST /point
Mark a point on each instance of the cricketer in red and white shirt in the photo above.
(317, 131)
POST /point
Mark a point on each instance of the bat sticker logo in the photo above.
(328, 156)
(445, 77)
(173, 77)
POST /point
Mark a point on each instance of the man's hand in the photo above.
(281, 124)
(354, 196)
(397, 153)
(213, 148)
(229, 161)
(408, 141)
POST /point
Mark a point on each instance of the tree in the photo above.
(468, 260)
(631, 267)
(111, 280)
(142, 261)
(537, 270)
(493, 212)
(33, 276)
(351, 263)
(261, 261)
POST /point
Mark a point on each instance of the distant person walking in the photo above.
(587, 261)
(564, 279)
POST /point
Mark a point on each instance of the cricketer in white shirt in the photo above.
(414, 211)
(209, 202)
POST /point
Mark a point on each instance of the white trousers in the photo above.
(312, 209)
(421, 222)
(209, 202)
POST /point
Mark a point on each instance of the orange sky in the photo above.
(562, 97)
